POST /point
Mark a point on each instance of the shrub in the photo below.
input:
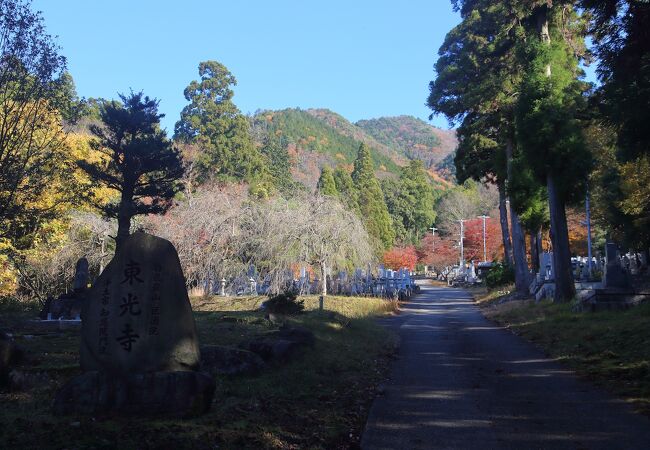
(499, 275)
(285, 303)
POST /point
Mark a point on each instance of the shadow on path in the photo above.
(462, 382)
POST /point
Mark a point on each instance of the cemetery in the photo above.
(455, 255)
(145, 356)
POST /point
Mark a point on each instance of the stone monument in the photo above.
(615, 277)
(139, 346)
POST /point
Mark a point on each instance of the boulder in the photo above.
(137, 317)
(299, 335)
(280, 345)
(220, 360)
(178, 394)
(270, 349)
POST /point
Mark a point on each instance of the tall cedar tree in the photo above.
(215, 124)
(622, 43)
(548, 127)
(410, 201)
(477, 84)
(371, 199)
(140, 163)
(345, 188)
(326, 184)
(275, 151)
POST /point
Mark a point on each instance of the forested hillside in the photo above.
(413, 138)
(316, 138)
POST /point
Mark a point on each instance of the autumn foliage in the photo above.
(400, 257)
(443, 251)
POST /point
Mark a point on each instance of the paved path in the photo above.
(461, 382)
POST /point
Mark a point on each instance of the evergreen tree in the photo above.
(279, 162)
(141, 163)
(477, 84)
(371, 199)
(215, 124)
(326, 184)
(345, 188)
(622, 45)
(410, 201)
(548, 129)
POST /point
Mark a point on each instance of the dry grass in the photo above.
(319, 400)
(611, 348)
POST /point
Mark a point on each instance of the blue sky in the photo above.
(360, 58)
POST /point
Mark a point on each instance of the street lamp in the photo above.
(433, 236)
(433, 241)
(484, 217)
(462, 237)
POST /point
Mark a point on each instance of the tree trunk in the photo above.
(534, 252)
(124, 215)
(323, 292)
(565, 288)
(323, 271)
(505, 229)
(540, 247)
(522, 274)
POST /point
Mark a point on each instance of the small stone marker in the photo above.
(81, 273)
(139, 346)
(615, 277)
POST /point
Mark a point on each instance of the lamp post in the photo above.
(433, 241)
(462, 237)
(484, 217)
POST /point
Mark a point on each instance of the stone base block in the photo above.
(178, 394)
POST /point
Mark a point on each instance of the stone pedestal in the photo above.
(179, 394)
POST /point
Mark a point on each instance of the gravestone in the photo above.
(546, 266)
(137, 320)
(615, 276)
(81, 275)
(69, 305)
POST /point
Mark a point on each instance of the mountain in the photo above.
(319, 137)
(414, 139)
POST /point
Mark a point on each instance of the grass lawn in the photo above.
(611, 348)
(319, 400)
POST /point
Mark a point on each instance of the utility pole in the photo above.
(433, 238)
(462, 249)
(484, 217)
(433, 242)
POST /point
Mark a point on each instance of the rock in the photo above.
(280, 345)
(220, 360)
(10, 354)
(299, 335)
(270, 349)
(137, 317)
(23, 381)
(67, 306)
(178, 394)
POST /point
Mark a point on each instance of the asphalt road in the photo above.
(461, 382)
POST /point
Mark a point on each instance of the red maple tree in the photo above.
(400, 257)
